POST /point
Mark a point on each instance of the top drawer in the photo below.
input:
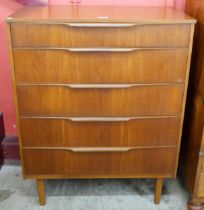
(100, 35)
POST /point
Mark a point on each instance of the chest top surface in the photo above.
(100, 14)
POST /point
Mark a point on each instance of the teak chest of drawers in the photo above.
(100, 91)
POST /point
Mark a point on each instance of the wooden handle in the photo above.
(101, 49)
(95, 149)
(96, 49)
(103, 86)
(100, 119)
(85, 119)
(101, 25)
(85, 86)
(100, 149)
(87, 50)
(96, 86)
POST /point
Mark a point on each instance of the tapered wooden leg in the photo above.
(41, 191)
(158, 190)
(195, 205)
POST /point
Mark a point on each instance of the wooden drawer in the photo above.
(110, 100)
(78, 35)
(130, 163)
(64, 66)
(56, 132)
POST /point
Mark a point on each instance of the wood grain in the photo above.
(185, 90)
(57, 35)
(61, 66)
(158, 190)
(64, 133)
(41, 191)
(15, 92)
(135, 162)
(55, 86)
(53, 100)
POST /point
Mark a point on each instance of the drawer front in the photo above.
(135, 163)
(63, 35)
(111, 100)
(63, 66)
(54, 132)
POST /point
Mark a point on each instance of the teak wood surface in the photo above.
(100, 98)
(60, 35)
(62, 132)
(100, 67)
(49, 162)
(60, 100)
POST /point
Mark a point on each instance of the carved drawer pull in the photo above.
(100, 149)
(96, 49)
(100, 119)
(95, 86)
(95, 149)
(104, 86)
(87, 119)
(103, 25)
(102, 49)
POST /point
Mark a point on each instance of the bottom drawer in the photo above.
(74, 163)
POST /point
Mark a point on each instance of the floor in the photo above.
(137, 194)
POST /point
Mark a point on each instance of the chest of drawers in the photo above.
(100, 91)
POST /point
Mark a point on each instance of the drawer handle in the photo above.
(100, 149)
(101, 49)
(104, 86)
(100, 119)
(103, 25)
(86, 149)
(88, 119)
(96, 149)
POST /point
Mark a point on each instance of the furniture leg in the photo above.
(158, 190)
(41, 191)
